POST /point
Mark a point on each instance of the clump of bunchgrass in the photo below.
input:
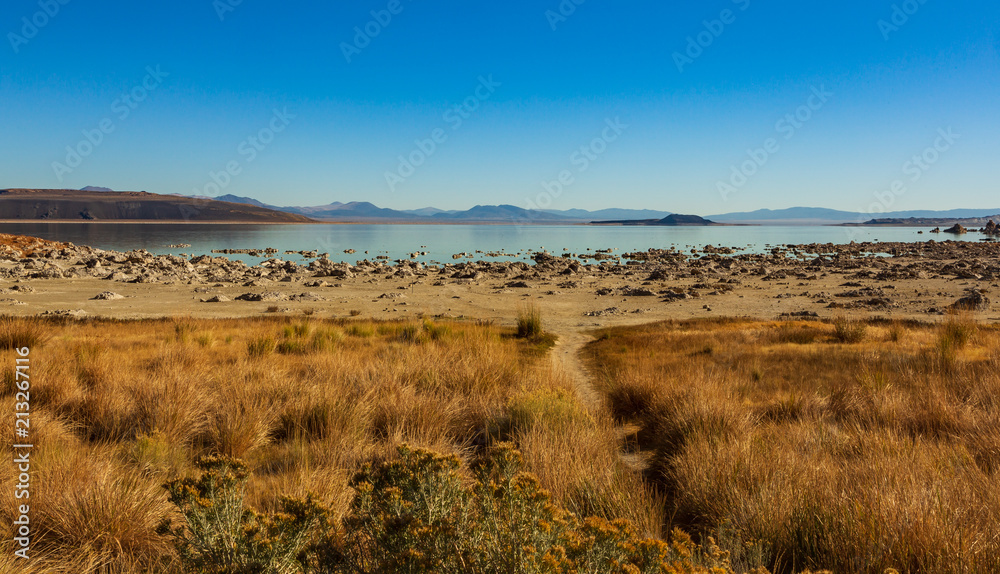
(325, 339)
(260, 347)
(409, 334)
(529, 321)
(958, 329)
(848, 330)
(359, 330)
(436, 332)
(20, 332)
(183, 332)
(796, 334)
(293, 347)
(897, 331)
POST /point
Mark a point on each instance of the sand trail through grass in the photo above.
(567, 356)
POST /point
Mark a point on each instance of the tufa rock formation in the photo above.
(974, 301)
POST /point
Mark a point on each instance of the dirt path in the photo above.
(566, 354)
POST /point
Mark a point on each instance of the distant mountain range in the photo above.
(360, 211)
(819, 215)
(104, 204)
(365, 211)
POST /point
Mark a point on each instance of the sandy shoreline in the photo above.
(908, 281)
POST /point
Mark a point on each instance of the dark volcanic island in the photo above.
(673, 220)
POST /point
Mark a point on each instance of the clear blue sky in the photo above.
(889, 89)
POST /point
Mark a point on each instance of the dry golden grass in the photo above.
(120, 407)
(850, 446)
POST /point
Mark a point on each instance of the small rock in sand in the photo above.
(306, 297)
(268, 296)
(605, 312)
(638, 293)
(217, 299)
(64, 313)
(107, 296)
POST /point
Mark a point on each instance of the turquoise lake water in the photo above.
(441, 242)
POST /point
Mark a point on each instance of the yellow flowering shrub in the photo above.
(419, 514)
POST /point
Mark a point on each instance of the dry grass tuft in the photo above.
(19, 332)
(529, 321)
(849, 330)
